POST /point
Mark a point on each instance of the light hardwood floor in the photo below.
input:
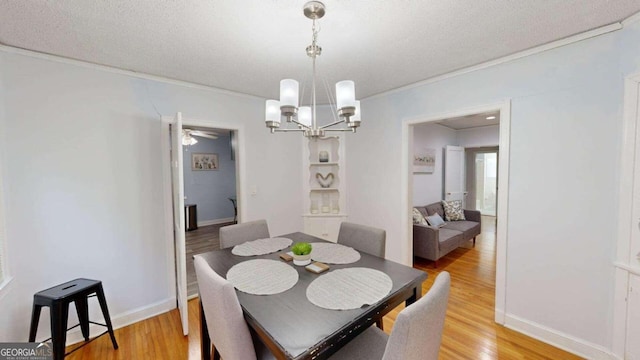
(469, 330)
(201, 240)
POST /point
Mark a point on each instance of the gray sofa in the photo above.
(432, 243)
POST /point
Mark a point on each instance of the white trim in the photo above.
(502, 215)
(625, 211)
(504, 108)
(631, 19)
(558, 339)
(628, 268)
(538, 49)
(214, 221)
(165, 147)
(115, 70)
(5, 286)
(125, 319)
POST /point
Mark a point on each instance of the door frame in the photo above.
(165, 146)
(504, 108)
(622, 262)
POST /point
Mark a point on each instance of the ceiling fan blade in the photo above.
(204, 135)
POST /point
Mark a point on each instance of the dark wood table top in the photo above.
(295, 326)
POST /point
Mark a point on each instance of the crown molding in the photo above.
(535, 50)
(119, 71)
(631, 19)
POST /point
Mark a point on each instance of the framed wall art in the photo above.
(424, 161)
(204, 161)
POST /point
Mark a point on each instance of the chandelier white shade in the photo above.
(304, 117)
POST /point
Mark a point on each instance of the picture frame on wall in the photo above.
(204, 161)
(424, 161)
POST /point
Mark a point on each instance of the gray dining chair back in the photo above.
(227, 328)
(363, 238)
(233, 235)
(417, 332)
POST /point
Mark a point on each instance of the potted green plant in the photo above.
(301, 253)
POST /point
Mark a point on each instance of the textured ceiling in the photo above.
(471, 121)
(249, 45)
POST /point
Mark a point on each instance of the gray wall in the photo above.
(210, 190)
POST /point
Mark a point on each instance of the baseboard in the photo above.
(125, 319)
(558, 339)
(214, 222)
(499, 316)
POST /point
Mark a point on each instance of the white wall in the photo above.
(565, 145)
(480, 136)
(427, 188)
(83, 185)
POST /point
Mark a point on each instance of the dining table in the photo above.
(292, 327)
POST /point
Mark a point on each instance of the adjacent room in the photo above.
(320, 179)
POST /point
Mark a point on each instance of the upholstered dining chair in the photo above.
(233, 235)
(363, 238)
(416, 335)
(227, 328)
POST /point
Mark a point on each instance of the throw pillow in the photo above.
(435, 220)
(453, 210)
(418, 219)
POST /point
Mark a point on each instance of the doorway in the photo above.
(173, 163)
(408, 186)
(482, 179)
(210, 193)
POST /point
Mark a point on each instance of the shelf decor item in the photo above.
(325, 204)
(301, 253)
(323, 156)
(314, 206)
(335, 207)
(325, 181)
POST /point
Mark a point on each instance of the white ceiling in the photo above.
(249, 45)
(471, 121)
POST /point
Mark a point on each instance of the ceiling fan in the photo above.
(188, 136)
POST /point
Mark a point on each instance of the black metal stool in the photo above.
(57, 299)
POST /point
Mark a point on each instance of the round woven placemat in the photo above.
(262, 277)
(346, 289)
(261, 246)
(334, 253)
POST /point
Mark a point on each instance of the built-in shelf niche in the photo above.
(324, 207)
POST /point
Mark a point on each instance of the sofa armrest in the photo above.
(472, 215)
(425, 242)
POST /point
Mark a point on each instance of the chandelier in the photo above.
(347, 108)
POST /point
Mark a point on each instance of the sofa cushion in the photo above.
(469, 228)
(418, 218)
(434, 208)
(448, 240)
(453, 210)
(435, 220)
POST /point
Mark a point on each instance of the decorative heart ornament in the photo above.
(325, 181)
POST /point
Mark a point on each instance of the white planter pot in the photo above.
(301, 260)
